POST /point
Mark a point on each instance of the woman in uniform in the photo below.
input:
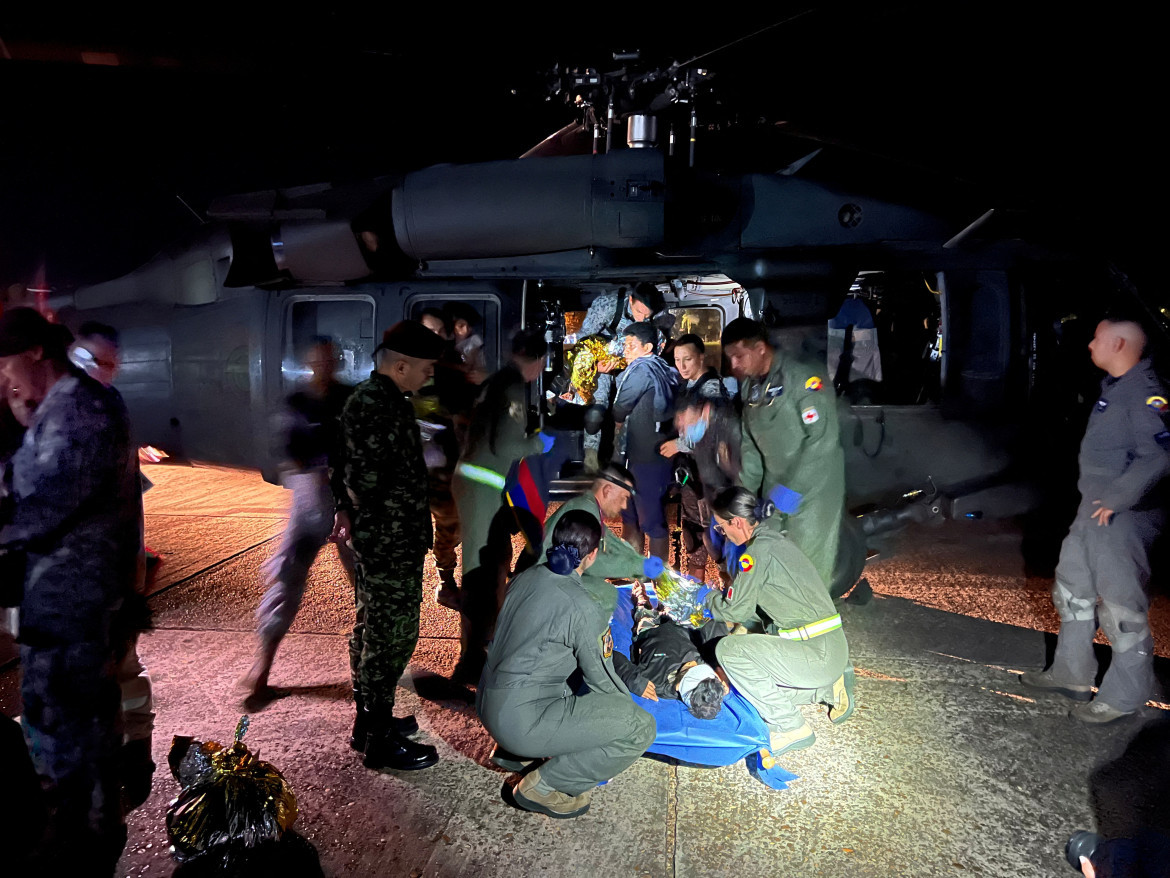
(786, 647)
(547, 632)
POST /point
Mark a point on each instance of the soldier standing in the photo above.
(1104, 562)
(791, 438)
(385, 515)
(72, 540)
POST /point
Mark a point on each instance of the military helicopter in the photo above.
(653, 180)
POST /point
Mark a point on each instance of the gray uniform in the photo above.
(77, 514)
(778, 588)
(1103, 570)
(616, 559)
(547, 631)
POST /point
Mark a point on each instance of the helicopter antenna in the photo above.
(750, 36)
(194, 212)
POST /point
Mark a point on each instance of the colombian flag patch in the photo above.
(746, 563)
(814, 383)
(1157, 403)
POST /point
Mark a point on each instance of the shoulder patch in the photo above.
(746, 563)
(814, 383)
(810, 415)
(730, 592)
(1157, 403)
(607, 643)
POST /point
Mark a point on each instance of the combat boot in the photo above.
(447, 594)
(793, 739)
(533, 794)
(1042, 681)
(404, 725)
(508, 760)
(386, 747)
(1098, 713)
(844, 701)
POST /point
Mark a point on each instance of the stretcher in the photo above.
(736, 733)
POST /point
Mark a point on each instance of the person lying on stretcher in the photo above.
(665, 662)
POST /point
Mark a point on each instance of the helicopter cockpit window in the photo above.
(885, 340)
(348, 322)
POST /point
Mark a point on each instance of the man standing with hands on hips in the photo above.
(1104, 562)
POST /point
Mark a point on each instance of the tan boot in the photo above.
(843, 699)
(794, 739)
(533, 795)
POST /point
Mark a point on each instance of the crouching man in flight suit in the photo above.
(547, 631)
(801, 656)
(1105, 557)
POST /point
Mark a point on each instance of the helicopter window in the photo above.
(482, 312)
(348, 321)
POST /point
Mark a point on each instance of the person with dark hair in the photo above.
(1104, 565)
(665, 662)
(547, 633)
(497, 437)
(313, 471)
(642, 409)
(97, 351)
(464, 319)
(608, 316)
(71, 544)
(792, 650)
(384, 514)
(791, 439)
(607, 497)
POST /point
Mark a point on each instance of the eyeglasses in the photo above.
(720, 530)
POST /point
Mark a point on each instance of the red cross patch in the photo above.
(810, 416)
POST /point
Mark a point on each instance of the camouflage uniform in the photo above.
(791, 438)
(77, 515)
(391, 533)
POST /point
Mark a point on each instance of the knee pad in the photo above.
(1072, 607)
(1127, 629)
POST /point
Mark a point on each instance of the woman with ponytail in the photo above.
(546, 632)
(792, 650)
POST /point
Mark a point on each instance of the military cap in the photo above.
(22, 329)
(410, 338)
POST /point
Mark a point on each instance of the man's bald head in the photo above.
(1117, 346)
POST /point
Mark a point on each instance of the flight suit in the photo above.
(547, 631)
(1103, 570)
(616, 559)
(385, 479)
(487, 522)
(791, 438)
(77, 513)
(778, 589)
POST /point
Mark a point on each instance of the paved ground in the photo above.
(948, 767)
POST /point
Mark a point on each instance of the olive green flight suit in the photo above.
(486, 520)
(776, 589)
(616, 559)
(546, 631)
(791, 438)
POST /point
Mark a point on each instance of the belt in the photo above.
(813, 629)
(481, 474)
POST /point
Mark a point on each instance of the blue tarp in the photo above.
(736, 733)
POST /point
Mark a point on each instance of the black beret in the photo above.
(410, 338)
(22, 329)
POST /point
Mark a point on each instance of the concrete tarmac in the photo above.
(948, 767)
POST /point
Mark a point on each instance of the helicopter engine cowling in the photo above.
(510, 208)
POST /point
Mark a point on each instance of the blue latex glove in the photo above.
(652, 567)
(549, 441)
(786, 500)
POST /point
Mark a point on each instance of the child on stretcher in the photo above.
(665, 662)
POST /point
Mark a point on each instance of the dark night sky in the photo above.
(1046, 108)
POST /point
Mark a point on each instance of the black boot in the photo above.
(137, 773)
(404, 725)
(386, 747)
